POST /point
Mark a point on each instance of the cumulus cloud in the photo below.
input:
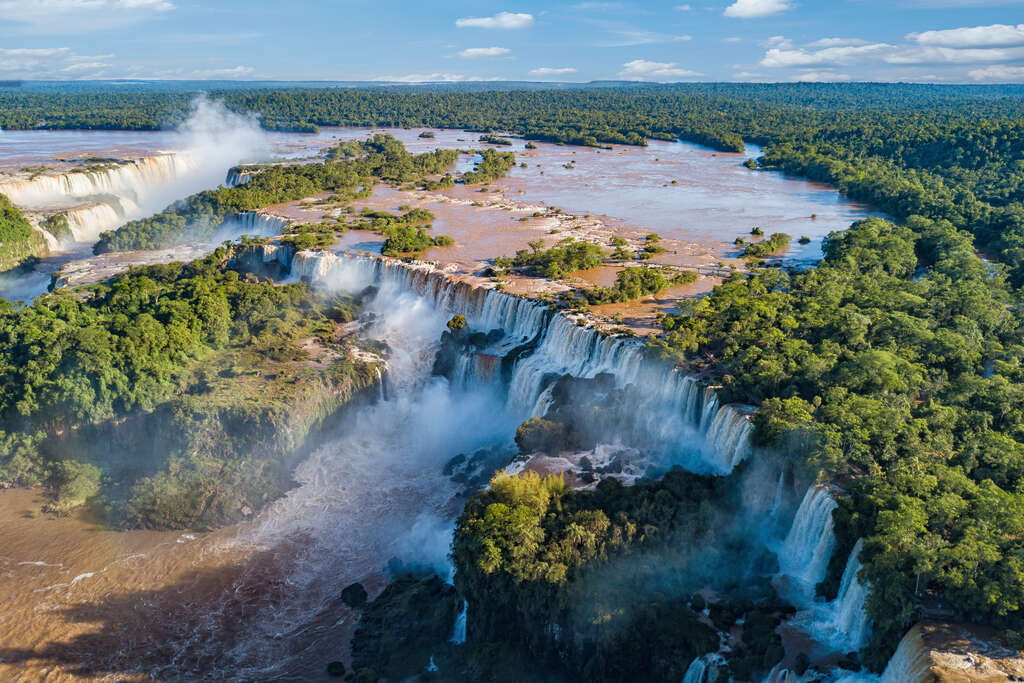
(995, 35)
(548, 71)
(1000, 73)
(644, 70)
(56, 63)
(752, 9)
(502, 20)
(885, 53)
(837, 42)
(684, 8)
(478, 52)
(59, 16)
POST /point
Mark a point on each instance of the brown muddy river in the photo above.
(259, 601)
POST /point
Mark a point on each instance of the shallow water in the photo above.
(259, 600)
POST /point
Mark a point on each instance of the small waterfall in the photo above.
(912, 662)
(808, 547)
(843, 623)
(780, 488)
(727, 442)
(251, 223)
(238, 175)
(704, 669)
(537, 346)
(459, 631)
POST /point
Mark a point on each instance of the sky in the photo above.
(932, 41)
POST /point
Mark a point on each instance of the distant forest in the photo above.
(895, 368)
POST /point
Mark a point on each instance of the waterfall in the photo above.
(238, 175)
(459, 631)
(253, 224)
(843, 623)
(133, 179)
(779, 491)
(537, 346)
(912, 662)
(704, 669)
(806, 552)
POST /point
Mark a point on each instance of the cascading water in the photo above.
(670, 408)
(843, 623)
(704, 669)
(805, 554)
(134, 179)
(459, 632)
(911, 663)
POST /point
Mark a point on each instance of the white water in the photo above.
(459, 632)
(376, 490)
(843, 624)
(805, 554)
(669, 409)
(704, 669)
(911, 661)
(209, 142)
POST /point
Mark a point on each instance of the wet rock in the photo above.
(354, 595)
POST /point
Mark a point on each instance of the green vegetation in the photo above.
(566, 256)
(352, 167)
(773, 245)
(492, 166)
(19, 243)
(892, 367)
(197, 375)
(495, 140)
(633, 283)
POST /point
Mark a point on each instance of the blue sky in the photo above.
(962, 41)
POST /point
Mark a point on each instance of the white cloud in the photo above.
(597, 5)
(478, 52)
(684, 8)
(60, 16)
(225, 74)
(503, 20)
(643, 70)
(50, 63)
(436, 77)
(886, 53)
(751, 9)
(782, 57)
(733, 39)
(1001, 73)
(820, 77)
(629, 37)
(837, 42)
(996, 35)
(546, 71)
(781, 42)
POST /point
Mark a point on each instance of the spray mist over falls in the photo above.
(209, 142)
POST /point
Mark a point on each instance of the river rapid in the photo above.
(260, 600)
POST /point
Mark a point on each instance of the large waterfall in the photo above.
(132, 179)
(668, 407)
(805, 554)
(94, 201)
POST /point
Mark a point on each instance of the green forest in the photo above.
(190, 370)
(895, 368)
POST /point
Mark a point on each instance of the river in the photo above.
(259, 600)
